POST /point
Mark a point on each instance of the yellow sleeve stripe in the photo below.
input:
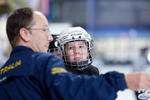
(58, 70)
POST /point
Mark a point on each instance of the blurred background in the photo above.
(120, 29)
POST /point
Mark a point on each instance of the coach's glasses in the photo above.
(45, 30)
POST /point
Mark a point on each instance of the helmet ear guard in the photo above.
(75, 34)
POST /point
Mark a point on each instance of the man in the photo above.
(76, 48)
(32, 74)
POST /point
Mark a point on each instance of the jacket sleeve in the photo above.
(63, 85)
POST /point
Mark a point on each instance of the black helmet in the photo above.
(52, 45)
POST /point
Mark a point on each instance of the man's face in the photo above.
(76, 51)
(40, 35)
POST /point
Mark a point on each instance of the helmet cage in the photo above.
(79, 34)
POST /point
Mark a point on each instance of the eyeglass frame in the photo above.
(45, 30)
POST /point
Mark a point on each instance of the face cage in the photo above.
(78, 65)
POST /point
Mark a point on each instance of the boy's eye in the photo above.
(70, 48)
(81, 47)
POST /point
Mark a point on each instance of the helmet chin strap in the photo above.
(78, 65)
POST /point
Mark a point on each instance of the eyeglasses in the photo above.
(45, 30)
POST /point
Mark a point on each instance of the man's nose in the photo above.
(50, 38)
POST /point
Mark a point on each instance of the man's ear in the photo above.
(24, 34)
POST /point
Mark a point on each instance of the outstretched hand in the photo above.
(138, 81)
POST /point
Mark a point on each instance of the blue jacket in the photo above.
(29, 75)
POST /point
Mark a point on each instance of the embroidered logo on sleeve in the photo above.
(58, 70)
(10, 66)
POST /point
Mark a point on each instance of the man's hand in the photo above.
(138, 81)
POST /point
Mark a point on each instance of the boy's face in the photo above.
(76, 51)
